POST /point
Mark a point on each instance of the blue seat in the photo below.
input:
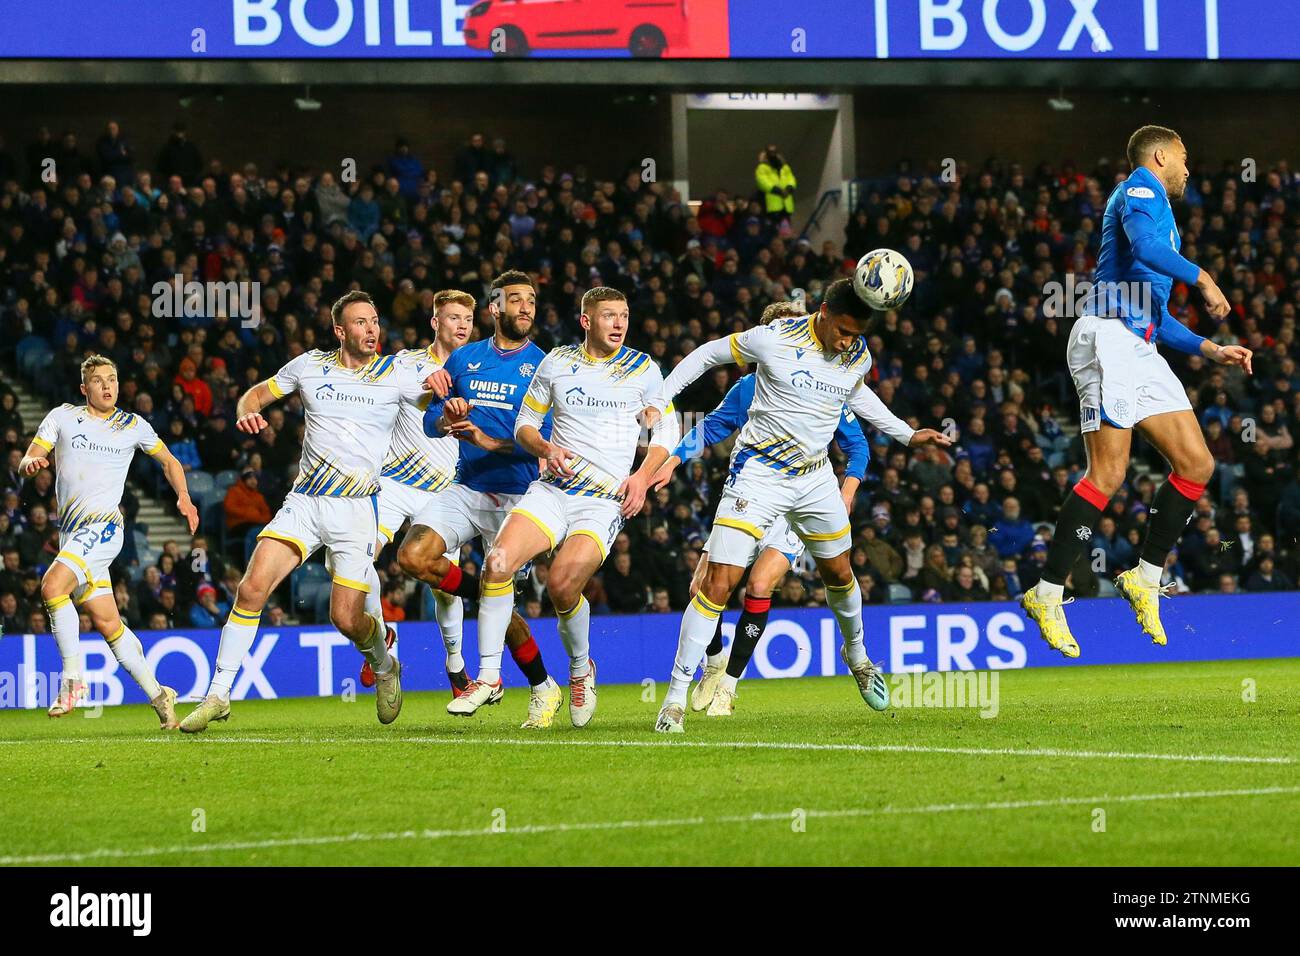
(202, 487)
(223, 480)
(900, 594)
(309, 590)
(31, 354)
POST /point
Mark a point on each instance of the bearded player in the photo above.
(350, 400)
(1124, 383)
(594, 393)
(94, 445)
(488, 381)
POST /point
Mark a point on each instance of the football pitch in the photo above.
(1168, 764)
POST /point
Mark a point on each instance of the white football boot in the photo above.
(582, 696)
(476, 695)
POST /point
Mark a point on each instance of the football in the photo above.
(883, 279)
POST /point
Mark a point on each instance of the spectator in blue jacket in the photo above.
(979, 445)
(207, 610)
(1013, 533)
(406, 168)
(981, 508)
(363, 213)
(1114, 546)
(182, 445)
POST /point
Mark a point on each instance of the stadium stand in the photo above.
(979, 348)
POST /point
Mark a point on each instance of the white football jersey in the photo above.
(799, 391)
(92, 456)
(350, 417)
(414, 458)
(594, 406)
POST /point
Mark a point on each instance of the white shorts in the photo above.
(561, 515)
(460, 514)
(757, 497)
(87, 553)
(345, 527)
(1121, 379)
(780, 537)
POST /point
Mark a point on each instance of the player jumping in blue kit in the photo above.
(489, 379)
(1124, 383)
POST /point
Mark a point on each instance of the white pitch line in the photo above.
(177, 740)
(544, 828)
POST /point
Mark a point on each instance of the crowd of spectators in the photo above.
(978, 350)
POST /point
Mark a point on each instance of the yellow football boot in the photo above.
(1050, 618)
(1145, 601)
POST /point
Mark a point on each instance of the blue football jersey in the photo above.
(1139, 256)
(494, 383)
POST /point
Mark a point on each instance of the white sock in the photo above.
(575, 631)
(1150, 573)
(236, 638)
(1051, 593)
(450, 612)
(699, 621)
(129, 652)
(716, 660)
(375, 649)
(65, 625)
(494, 611)
(729, 682)
(847, 605)
(375, 596)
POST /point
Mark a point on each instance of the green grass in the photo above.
(425, 790)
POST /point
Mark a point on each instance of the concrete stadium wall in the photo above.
(606, 129)
(971, 125)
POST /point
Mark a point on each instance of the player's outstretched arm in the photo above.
(248, 412)
(175, 475)
(699, 361)
(1228, 354)
(37, 457)
(867, 404)
(1152, 250)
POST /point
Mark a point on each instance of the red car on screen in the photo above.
(645, 28)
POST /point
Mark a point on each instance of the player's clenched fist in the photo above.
(32, 465)
(650, 416)
(557, 460)
(439, 383)
(928, 436)
(456, 409)
(251, 424)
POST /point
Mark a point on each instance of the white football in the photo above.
(883, 279)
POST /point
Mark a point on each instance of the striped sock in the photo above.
(65, 625)
(575, 631)
(236, 639)
(846, 601)
(699, 621)
(128, 650)
(494, 610)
